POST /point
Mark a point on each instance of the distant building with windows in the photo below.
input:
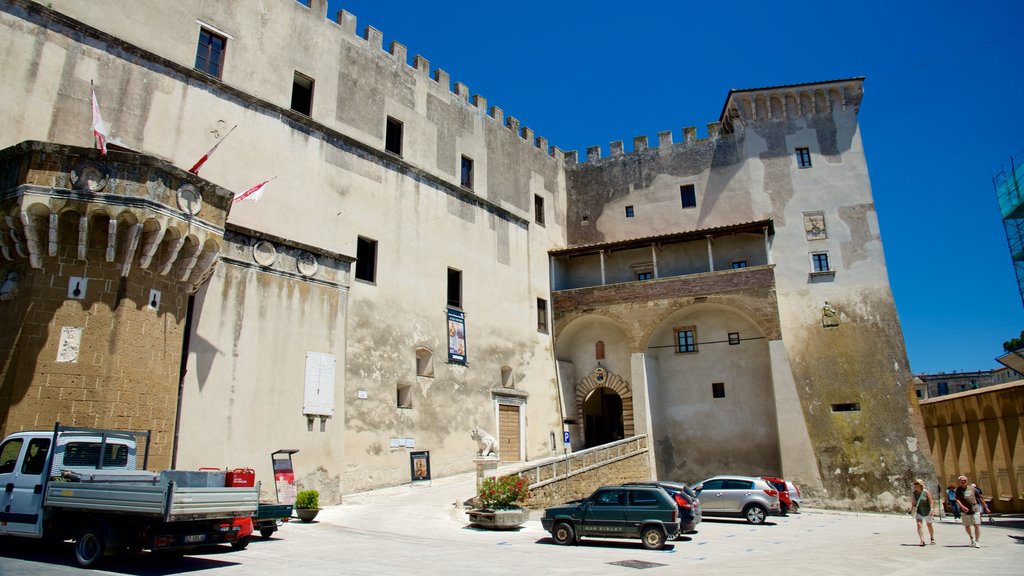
(945, 383)
(421, 263)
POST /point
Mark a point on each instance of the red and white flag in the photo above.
(99, 127)
(199, 164)
(253, 193)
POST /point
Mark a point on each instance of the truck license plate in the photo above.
(190, 538)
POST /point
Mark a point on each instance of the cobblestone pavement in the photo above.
(411, 530)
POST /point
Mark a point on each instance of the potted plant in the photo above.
(307, 505)
(499, 503)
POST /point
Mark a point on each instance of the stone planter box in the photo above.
(503, 519)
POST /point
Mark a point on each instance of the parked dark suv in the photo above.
(686, 500)
(646, 512)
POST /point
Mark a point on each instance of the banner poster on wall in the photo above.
(456, 336)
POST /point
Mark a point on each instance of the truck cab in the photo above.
(25, 469)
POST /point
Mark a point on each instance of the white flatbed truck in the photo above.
(84, 485)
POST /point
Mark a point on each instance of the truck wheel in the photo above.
(563, 534)
(653, 538)
(89, 546)
(267, 532)
(241, 543)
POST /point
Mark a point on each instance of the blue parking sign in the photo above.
(565, 437)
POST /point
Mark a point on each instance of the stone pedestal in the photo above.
(486, 467)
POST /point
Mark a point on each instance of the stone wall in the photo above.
(634, 468)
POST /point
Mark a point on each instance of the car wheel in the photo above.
(783, 509)
(653, 538)
(796, 508)
(755, 514)
(563, 534)
(89, 546)
(267, 532)
(241, 543)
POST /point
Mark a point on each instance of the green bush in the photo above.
(307, 499)
(504, 492)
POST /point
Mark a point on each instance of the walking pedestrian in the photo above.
(922, 506)
(967, 500)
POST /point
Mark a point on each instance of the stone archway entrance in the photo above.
(604, 406)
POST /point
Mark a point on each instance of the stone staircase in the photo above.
(576, 475)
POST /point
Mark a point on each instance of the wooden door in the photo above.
(508, 433)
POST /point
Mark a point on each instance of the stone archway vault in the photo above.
(585, 386)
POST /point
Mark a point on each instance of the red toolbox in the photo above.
(240, 477)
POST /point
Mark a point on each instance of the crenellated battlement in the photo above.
(374, 41)
(791, 101)
(642, 145)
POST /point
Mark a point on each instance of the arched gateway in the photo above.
(604, 405)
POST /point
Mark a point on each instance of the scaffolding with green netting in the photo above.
(1011, 206)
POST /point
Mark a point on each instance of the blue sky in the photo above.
(943, 110)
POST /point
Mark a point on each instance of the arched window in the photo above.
(424, 362)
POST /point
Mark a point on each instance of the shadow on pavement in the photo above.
(599, 543)
(142, 564)
(721, 520)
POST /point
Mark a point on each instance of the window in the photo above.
(302, 94)
(424, 362)
(642, 498)
(609, 498)
(819, 262)
(718, 390)
(366, 259)
(538, 209)
(35, 456)
(644, 275)
(467, 173)
(404, 396)
(734, 338)
(919, 392)
(739, 264)
(629, 211)
(686, 339)
(210, 53)
(393, 136)
(9, 455)
(88, 454)
(733, 484)
(803, 157)
(688, 195)
(542, 315)
(847, 407)
(942, 388)
(454, 288)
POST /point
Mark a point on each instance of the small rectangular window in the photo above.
(803, 157)
(467, 173)
(942, 388)
(538, 209)
(302, 94)
(686, 339)
(819, 262)
(847, 407)
(542, 315)
(454, 288)
(734, 338)
(366, 259)
(688, 196)
(210, 52)
(393, 136)
(629, 211)
(404, 393)
(718, 389)
(644, 275)
(739, 264)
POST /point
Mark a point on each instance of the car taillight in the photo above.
(682, 502)
(771, 492)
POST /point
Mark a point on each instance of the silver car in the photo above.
(739, 496)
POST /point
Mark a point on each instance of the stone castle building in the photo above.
(422, 264)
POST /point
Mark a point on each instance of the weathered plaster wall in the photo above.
(334, 183)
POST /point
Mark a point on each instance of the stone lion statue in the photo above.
(485, 442)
